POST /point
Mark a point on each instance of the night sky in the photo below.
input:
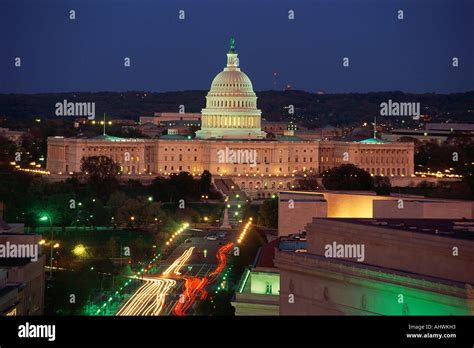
(168, 54)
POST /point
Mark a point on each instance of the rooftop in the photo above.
(266, 254)
(372, 141)
(4, 226)
(289, 138)
(173, 136)
(459, 228)
(378, 269)
(108, 137)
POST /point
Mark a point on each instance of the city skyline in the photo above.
(306, 160)
(413, 54)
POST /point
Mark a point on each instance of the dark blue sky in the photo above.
(60, 55)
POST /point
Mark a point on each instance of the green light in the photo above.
(150, 199)
(44, 218)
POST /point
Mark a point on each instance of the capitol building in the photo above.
(232, 144)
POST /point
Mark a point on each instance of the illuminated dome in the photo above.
(231, 81)
(231, 105)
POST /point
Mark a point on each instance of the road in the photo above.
(183, 279)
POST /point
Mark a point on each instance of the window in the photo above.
(268, 288)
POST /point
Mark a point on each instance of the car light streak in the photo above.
(149, 299)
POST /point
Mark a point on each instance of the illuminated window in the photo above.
(268, 288)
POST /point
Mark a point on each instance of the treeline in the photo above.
(101, 199)
(310, 108)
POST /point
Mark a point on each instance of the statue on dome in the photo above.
(232, 45)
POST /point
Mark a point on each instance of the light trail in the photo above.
(150, 298)
(179, 262)
(192, 287)
(222, 258)
(195, 286)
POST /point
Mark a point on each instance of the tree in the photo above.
(185, 185)
(187, 214)
(382, 185)
(162, 190)
(112, 248)
(116, 200)
(94, 213)
(268, 213)
(347, 177)
(102, 172)
(139, 213)
(205, 182)
(309, 182)
(7, 150)
(100, 167)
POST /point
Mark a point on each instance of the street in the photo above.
(183, 279)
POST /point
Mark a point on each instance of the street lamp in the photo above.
(79, 250)
(47, 217)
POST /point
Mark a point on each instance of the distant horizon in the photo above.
(256, 91)
(59, 54)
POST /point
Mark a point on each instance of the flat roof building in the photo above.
(380, 267)
(22, 279)
(297, 208)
